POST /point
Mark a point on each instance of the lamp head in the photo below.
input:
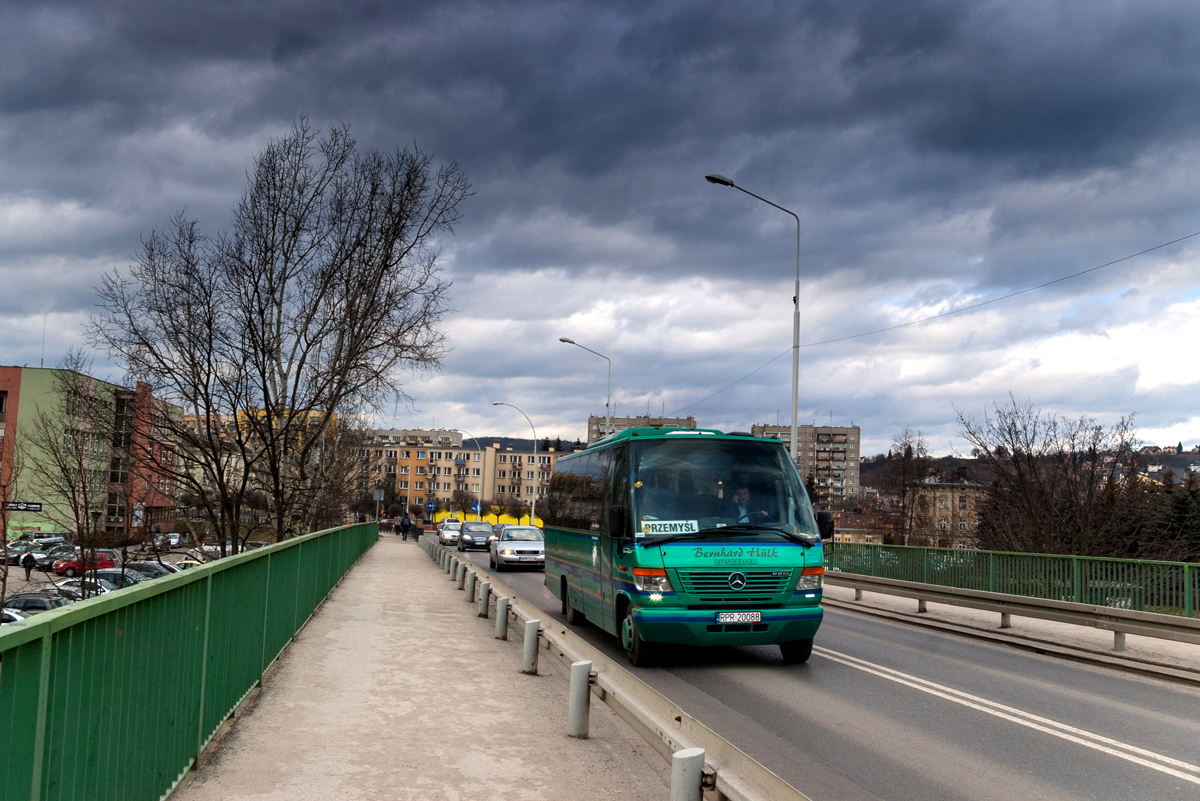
(568, 341)
(717, 178)
(497, 403)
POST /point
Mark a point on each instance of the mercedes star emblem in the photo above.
(736, 581)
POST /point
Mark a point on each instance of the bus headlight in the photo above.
(810, 579)
(651, 579)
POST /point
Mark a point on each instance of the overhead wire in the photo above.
(940, 315)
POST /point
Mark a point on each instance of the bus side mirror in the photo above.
(618, 521)
(825, 524)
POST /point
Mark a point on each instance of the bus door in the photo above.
(614, 526)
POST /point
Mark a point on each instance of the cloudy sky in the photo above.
(938, 155)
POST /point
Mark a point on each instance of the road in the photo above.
(890, 711)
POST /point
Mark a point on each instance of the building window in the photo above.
(962, 503)
(528, 459)
(529, 475)
(391, 470)
(475, 472)
(406, 454)
(941, 503)
(942, 523)
(403, 485)
(118, 472)
(420, 470)
(503, 459)
(529, 491)
(543, 460)
(474, 488)
(419, 485)
(390, 454)
(420, 454)
(962, 525)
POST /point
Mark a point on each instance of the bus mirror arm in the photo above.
(619, 521)
(825, 524)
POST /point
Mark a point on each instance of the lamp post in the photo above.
(721, 180)
(608, 399)
(533, 503)
(478, 501)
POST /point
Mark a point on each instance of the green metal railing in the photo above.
(1170, 588)
(115, 697)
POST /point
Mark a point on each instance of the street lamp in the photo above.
(479, 501)
(721, 180)
(608, 400)
(533, 503)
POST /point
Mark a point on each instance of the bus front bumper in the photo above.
(700, 627)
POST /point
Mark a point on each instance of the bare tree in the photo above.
(66, 449)
(908, 465)
(463, 500)
(325, 290)
(1052, 481)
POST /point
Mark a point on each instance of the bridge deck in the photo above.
(396, 689)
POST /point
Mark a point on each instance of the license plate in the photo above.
(528, 558)
(739, 617)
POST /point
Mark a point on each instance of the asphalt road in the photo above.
(889, 711)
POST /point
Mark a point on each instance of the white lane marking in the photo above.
(1080, 736)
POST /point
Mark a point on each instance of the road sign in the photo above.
(379, 494)
(21, 506)
(430, 506)
(474, 507)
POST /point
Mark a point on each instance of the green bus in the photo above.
(693, 537)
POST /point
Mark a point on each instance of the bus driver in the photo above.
(742, 511)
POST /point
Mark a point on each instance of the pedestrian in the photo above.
(405, 525)
(29, 563)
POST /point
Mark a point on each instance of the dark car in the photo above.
(474, 534)
(47, 560)
(151, 570)
(17, 551)
(33, 602)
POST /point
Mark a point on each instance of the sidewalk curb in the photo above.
(1128, 664)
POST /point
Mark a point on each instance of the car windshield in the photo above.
(477, 526)
(524, 533)
(698, 486)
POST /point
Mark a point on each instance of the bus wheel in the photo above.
(639, 652)
(796, 651)
(573, 615)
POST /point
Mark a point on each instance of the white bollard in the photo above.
(485, 597)
(578, 697)
(531, 647)
(471, 587)
(857, 594)
(687, 772)
(462, 577)
(1005, 620)
(921, 607)
(501, 618)
(1118, 641)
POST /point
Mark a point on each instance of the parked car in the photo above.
(474, 534)
(151, 570)
(446, 520)
(119, 578)
(517, 546)
(11, 616)
(77, 565)
(47, 560)
(17, 552)
(448, 531)
(92, 586)
(187, 564)
(31, 603)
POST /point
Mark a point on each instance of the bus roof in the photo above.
(659, 433)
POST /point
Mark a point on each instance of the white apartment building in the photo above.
(830, 454)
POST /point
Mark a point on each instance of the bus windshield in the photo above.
(696, 486)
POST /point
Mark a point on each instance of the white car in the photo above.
(448, 531)
(11, 615)
(77, 585)
(517, 546)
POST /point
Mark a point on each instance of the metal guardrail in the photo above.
(1106, 618)
(1168, 588)
(730, 772)
(115, 697)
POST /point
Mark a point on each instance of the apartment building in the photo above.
(596, 425)
(127, 467)
(829, 454)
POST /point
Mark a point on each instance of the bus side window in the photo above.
(593, 489)
(616, 500)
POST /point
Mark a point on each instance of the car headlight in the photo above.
(508, 552)
(810, 579)
(651, 579)
(468, 537)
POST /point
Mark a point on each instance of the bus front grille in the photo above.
(715, 585)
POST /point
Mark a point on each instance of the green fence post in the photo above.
(925, 565)
(43, 713)
(991, 571)
(203, 669)
(1075, 579)
(874, 552)
(1189, 602)
(262, 661)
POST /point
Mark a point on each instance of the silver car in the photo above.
(449, 531)
(518, 546)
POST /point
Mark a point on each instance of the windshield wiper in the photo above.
(754, 528)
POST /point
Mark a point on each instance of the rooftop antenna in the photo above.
(42, 363)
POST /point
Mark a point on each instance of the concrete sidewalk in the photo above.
(397, 690)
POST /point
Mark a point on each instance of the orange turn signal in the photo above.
(652, 571)
(812, 571)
